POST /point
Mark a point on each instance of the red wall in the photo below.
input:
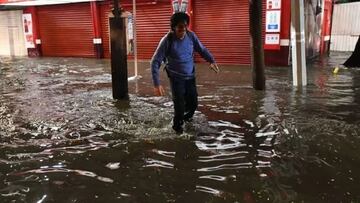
(281, 57)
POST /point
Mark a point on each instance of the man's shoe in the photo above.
(188, 119)
(178, 129)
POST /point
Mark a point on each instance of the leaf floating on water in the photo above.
(105, 179)
(113, 166)
(263, 175)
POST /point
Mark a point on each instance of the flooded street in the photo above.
(64, 139)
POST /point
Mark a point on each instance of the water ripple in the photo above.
(60, 169)
(214, 177)
(13, 190)
(226, 167)
(157, 163)
(212, 191)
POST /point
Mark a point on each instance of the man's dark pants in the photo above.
(185, 100)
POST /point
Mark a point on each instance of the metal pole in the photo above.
(135, 40)
(298, 43)
(257, 51)
(118, 54)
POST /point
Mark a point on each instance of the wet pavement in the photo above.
(64, 139)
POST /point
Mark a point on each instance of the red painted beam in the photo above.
(95, 15)
(95, 19)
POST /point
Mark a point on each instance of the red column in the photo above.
(326, 27)
(33, 52)
(190, 11)
(97, 41)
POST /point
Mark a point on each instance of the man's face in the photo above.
(180, 30)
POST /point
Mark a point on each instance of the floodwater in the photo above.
(64, 139)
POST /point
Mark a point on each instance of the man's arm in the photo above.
(201, 49)
(155, 63)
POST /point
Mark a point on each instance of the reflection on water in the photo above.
(63, 137)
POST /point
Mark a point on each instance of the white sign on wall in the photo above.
(273, 21)
(28, 32)
(273, 4)
(130, 33)
(272, 39)
(130, 27)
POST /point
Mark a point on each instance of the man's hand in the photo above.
(214, 67)
(159, 91)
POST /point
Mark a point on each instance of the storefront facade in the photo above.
(82, 29)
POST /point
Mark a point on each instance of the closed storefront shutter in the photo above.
(66, 30)
(223, 27)
(4, 34)
(12, 41)
(152, 24)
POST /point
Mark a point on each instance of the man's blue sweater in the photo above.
(180, 57)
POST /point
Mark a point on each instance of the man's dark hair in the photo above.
(179, 17)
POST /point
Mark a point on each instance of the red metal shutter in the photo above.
(153, 22)
(223, 27)
(66, 30)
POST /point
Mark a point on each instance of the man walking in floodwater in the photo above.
(177, 49)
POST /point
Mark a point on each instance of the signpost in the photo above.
(272, 25)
